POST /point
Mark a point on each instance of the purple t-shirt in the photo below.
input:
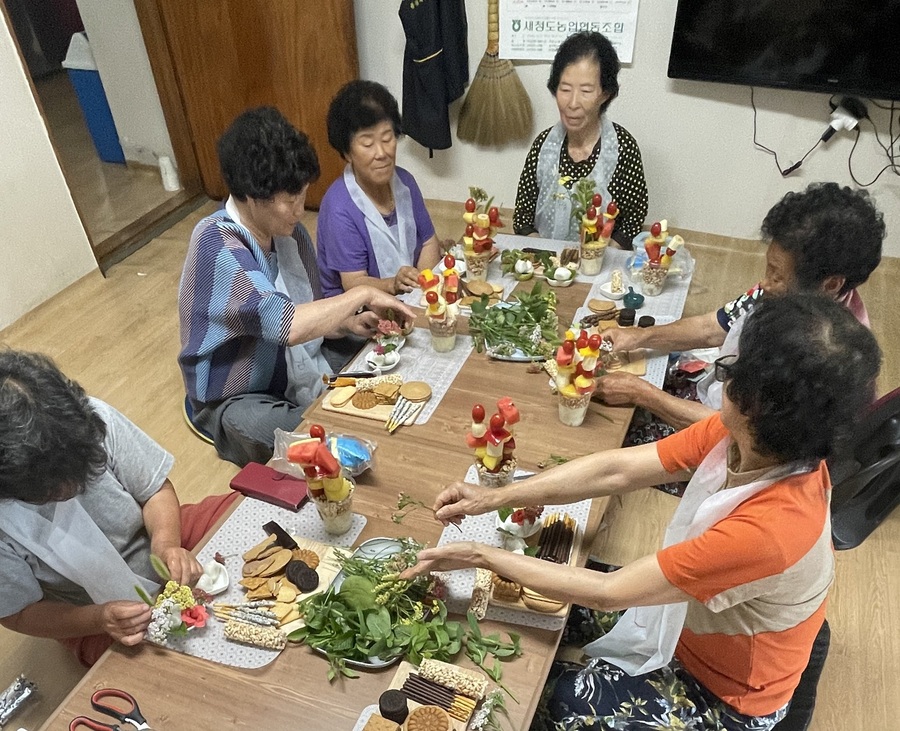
(343, 242)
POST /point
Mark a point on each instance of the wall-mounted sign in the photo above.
(533, 29)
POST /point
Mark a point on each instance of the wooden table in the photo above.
(179, 692)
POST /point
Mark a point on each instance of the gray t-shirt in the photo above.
(136, 469)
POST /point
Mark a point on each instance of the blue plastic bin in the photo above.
(83, 74)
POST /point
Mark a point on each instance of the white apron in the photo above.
(644, 638)
(709, 390)
(553, 211)
(394, 248)
(73, 546)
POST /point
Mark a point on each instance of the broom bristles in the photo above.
(497, 108)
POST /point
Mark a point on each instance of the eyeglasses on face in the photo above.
(722, 367)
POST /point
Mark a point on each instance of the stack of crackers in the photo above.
(366, 393)
(478, 289)
(264, 576)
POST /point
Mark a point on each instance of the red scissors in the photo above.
(128, 715)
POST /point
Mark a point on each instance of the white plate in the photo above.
(373, 548)
(517, 357)
(556, 283)
(372, 366)
(519, 531)
(606, 291)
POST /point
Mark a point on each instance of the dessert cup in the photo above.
(443, 335)
(572, 409)
(654, 278)
(337, 516)
(501, 477)
(477, 266)
(592, 257)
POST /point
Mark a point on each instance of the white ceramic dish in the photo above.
(373, 548)
(519, 531)
(557, 283)
(606, 291)
(517, 356)
(372, 366)
(214, 579)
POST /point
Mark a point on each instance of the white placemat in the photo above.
(364, 717)
(240, 532)
(419, 362)
(483, 529)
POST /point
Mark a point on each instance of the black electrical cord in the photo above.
(784, 171)
(890, 166)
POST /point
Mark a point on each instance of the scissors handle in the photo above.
(131, 714)
(85, 722)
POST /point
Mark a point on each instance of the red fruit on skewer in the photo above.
(594, 342)
(316, 431)
(497, 422)
(478, 413)
(656, 229)
(449, 261)
(597, 200)
(431, 297)
(591, 213)
(470, 229)
(494, 214)
(569, 346)
(612, 209)
(471, 205)
(451, 297)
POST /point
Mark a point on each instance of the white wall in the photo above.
(43, 247)
(696, 138)
(118, 46)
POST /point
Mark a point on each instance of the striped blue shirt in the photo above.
(234, 324)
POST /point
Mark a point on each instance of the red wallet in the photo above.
(263, 483)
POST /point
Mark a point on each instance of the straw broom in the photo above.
(497, 108)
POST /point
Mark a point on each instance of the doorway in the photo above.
(122, 204)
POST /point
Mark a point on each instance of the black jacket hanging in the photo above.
(435, 67)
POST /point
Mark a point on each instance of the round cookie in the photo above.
(600, 307)
(310, 558)
(415, 391)
(301, 576)
(428, 718)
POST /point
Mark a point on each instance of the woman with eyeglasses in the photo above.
(720, 622)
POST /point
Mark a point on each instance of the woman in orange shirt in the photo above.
(721, 620)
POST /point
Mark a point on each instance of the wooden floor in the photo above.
(119, 337)
(109, 196)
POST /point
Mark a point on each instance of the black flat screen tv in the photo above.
(832, 46)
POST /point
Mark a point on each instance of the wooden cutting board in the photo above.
(376, 413)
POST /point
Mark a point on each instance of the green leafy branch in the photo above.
(479, 646)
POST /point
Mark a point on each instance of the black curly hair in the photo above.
(51, 439)
(359, 105)
(262, 154)
(592, 45)
(827, 230)
(805, 372)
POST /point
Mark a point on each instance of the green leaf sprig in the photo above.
(529, 324)
(581, 196)
(406, 504)
(479, 646)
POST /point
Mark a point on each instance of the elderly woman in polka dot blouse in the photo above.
(584, 143)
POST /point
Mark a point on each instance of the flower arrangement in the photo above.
(177, 609)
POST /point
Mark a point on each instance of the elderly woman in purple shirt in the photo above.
(373, 227)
